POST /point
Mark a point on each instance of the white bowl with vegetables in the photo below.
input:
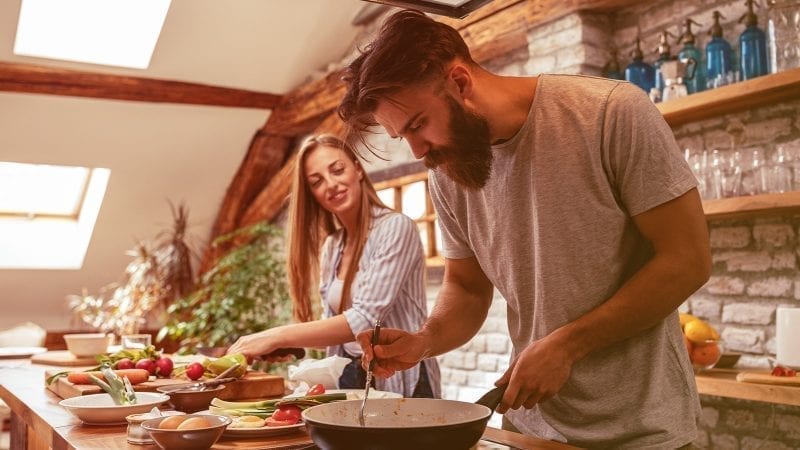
(100, 409)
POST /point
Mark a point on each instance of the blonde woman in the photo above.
(365, 259)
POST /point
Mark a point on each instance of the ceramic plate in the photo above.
(262, 431)
(20, 352)
(99, 409)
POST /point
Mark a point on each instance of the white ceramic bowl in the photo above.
(88, 344)
(99, 409)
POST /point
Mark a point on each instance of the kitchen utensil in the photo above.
(401, 423)
(298, 353)
(375, 336)
(199, 386)
(227, 371)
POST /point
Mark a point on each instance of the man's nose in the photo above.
(419, 147)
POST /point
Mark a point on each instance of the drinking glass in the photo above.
(726, 169)
(698, 163)
(780, 171)
(754, 175)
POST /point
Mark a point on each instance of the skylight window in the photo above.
(110, 32)
(30, 190)
(47, 214)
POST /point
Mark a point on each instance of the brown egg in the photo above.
(193, 423)
(171, 422)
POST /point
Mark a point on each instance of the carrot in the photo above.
(135, 376)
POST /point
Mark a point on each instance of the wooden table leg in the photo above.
(19, 432)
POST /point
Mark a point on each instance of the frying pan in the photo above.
(401, 423)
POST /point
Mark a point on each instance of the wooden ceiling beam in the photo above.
(35, 79)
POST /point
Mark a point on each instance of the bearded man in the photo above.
(569, 195)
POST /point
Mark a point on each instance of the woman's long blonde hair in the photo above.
(309, 225)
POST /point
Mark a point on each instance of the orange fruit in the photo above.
(705, 354)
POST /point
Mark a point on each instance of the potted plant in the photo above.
(245, 292)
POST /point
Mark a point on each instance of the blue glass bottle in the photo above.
(689, 51)
(663, 55)
(639, 72)
(719, 57)
(752, 47)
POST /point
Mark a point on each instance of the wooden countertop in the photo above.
(39, 422)
(722, 383)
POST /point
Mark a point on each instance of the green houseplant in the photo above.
(246, 291)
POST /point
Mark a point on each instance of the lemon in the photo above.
(686, 318)
(699, 332)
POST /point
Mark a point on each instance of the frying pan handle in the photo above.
(492, 398)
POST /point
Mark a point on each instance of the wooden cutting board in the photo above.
(63, 358)
(765, 377)
(254, 385)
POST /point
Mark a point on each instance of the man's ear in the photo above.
(461, 78)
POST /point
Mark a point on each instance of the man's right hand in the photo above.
(396, 350)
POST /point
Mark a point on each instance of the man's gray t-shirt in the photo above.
(552, 230)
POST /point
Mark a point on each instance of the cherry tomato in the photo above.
(316, 389)
(287, 413)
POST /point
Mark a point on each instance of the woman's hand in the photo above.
(257, 344)
(396, 350)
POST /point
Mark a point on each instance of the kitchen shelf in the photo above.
(761, 91)
(738, 207)
(722, 383)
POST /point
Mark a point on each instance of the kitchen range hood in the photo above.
(451, 8)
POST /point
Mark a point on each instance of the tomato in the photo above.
(316, 389)
(287, 413)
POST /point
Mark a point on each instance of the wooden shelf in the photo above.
(737, 207)
(761, 91)
(722, 383)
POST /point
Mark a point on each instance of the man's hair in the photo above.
(411, 48)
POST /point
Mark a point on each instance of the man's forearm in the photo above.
(456, 317)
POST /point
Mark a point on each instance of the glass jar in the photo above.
(783, 33)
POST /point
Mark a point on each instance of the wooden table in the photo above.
(39, 423)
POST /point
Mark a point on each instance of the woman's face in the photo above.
(334, 179)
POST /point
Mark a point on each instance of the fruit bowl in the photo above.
(704, 355)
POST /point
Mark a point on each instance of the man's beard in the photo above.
(467, 158)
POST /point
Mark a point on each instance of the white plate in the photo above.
(99, 409)
(357, 394)
(20, 352)
(262, 431)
